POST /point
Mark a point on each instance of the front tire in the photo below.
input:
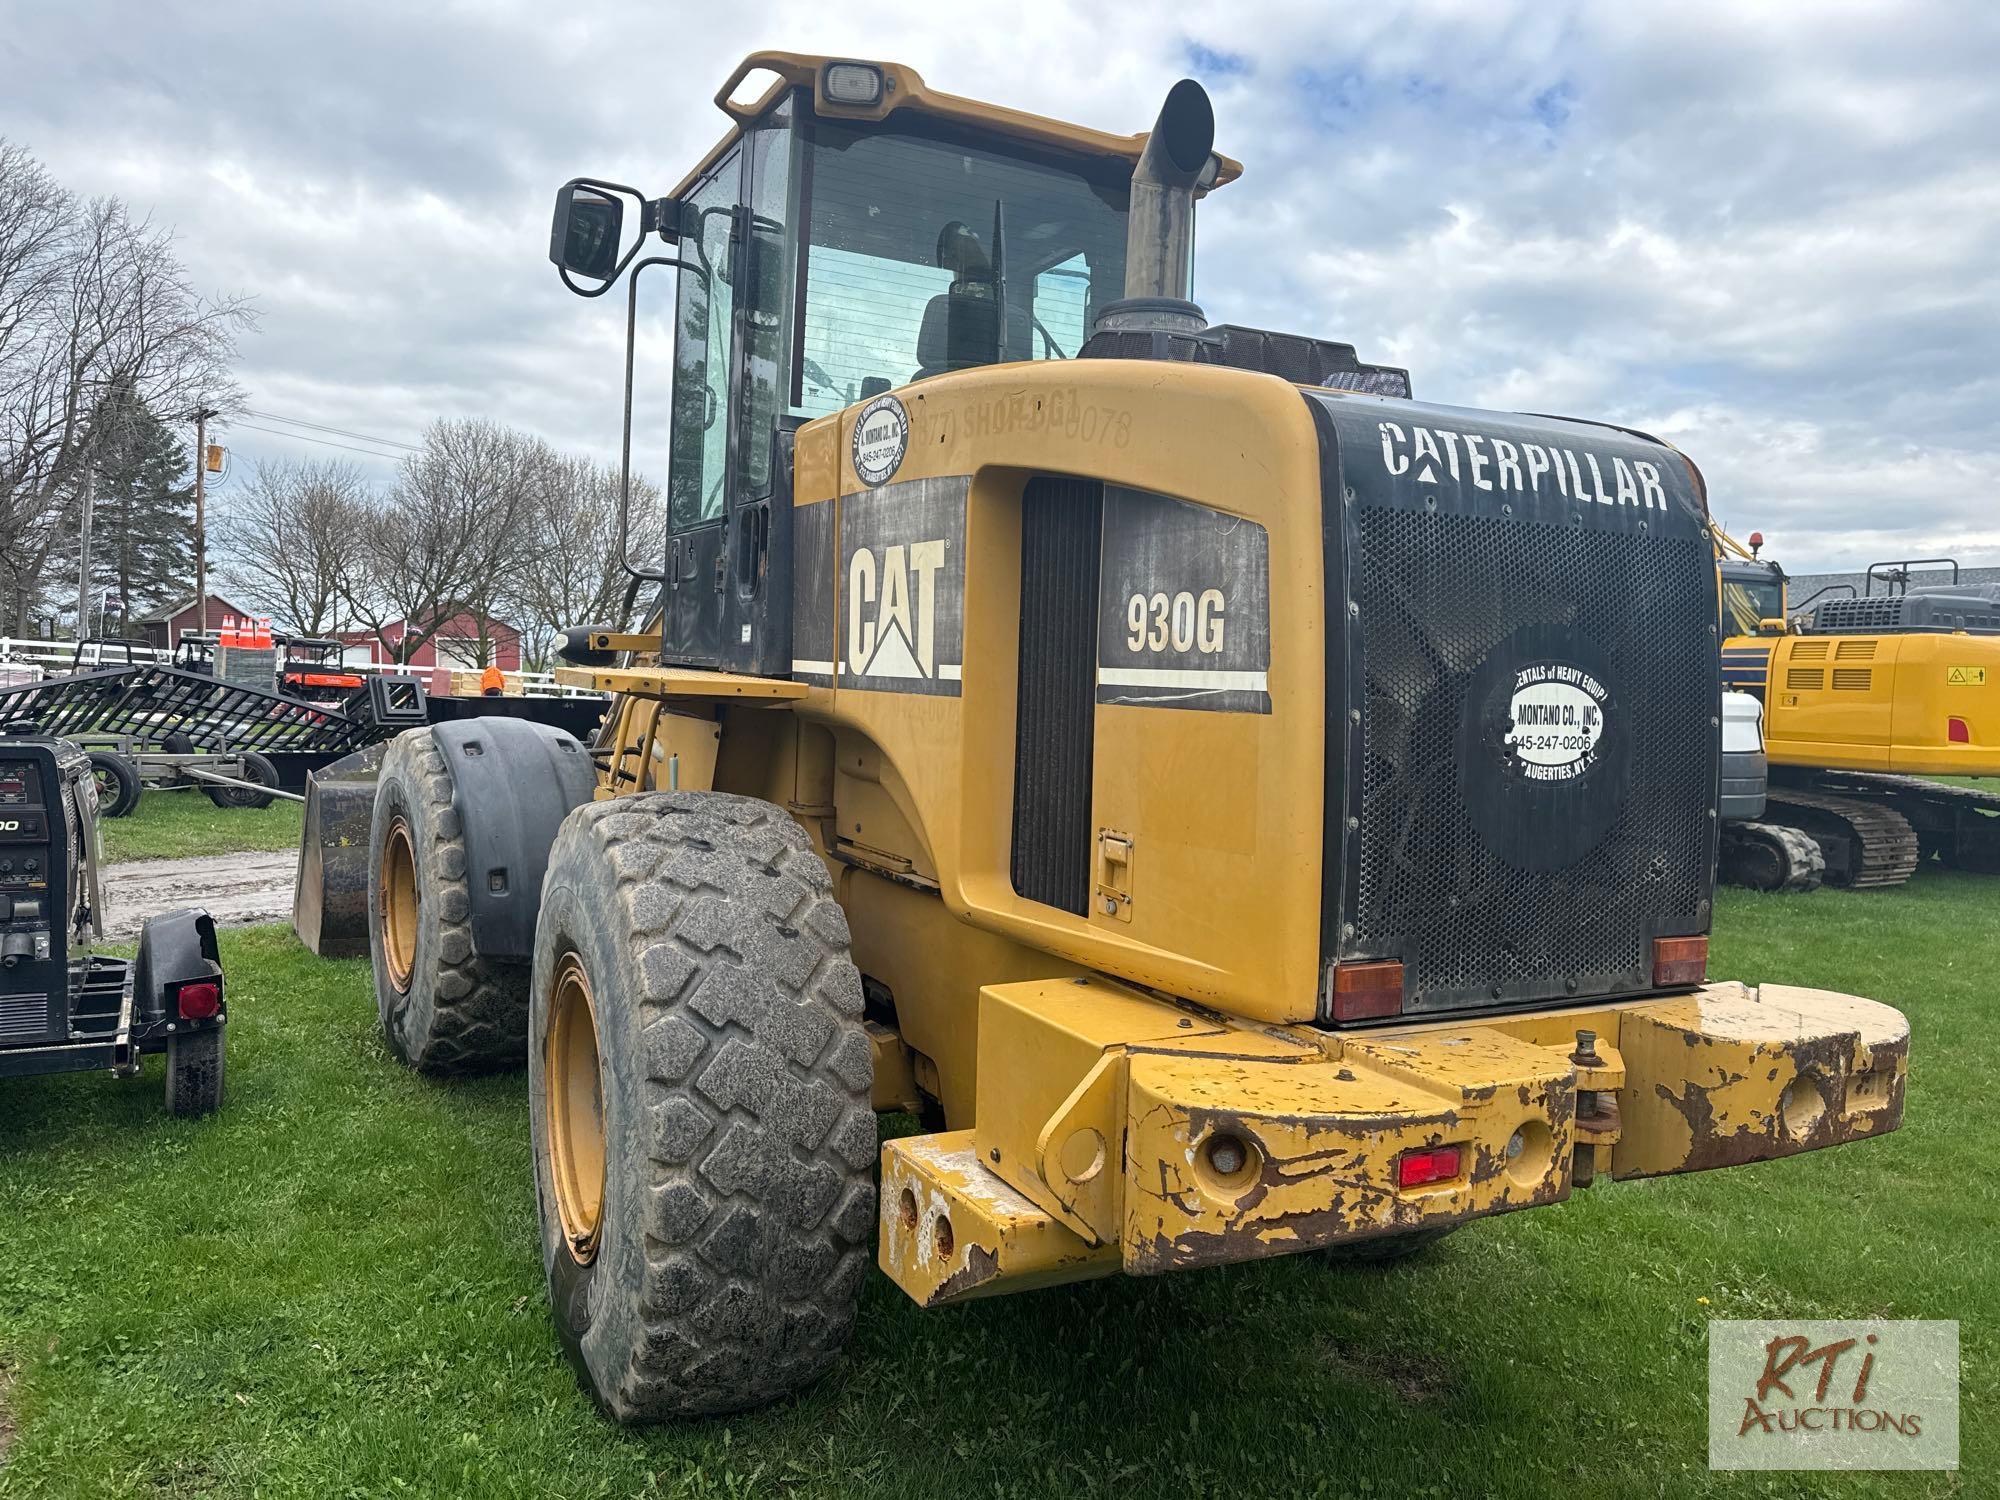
(444, 1008)
(699, 1090)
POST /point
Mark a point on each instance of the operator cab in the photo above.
(1753, 598)
(853, 232)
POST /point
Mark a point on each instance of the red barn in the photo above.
(164, 628)
(455, 647)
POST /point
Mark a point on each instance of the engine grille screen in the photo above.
(1500, 872)
(1061, 532)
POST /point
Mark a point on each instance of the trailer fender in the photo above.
(513, 783)
(174, 947)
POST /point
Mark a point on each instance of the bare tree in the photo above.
(95, 307)
(291, 535)
(449, 537)
(569, 574)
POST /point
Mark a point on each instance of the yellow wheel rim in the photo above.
(576, 1109)
(401, 900)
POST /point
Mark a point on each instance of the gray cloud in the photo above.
(1771, 234)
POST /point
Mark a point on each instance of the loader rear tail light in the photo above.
(1423, 1167)
(1956, 732)
(199, 999)
(1680, 960)
(1361, 992)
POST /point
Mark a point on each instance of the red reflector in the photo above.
(1434, 1164)
(199, 1000)
(1957, 733)
(1364, 991)
(1680, 960)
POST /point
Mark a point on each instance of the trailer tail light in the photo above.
(1956, 732)
(1680, 960)
(199, 999)
(1422, 1167)
(1361, 992)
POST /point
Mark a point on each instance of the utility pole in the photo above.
(201, 416)
(83, 539)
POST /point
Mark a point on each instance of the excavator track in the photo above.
(1771, 857)
(1866, 844)
(1960, 824)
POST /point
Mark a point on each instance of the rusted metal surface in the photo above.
(1730, 1075)
(1325, 1137)
(1117, 1129)
(952, 1230)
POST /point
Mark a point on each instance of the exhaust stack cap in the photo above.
(1159, 233)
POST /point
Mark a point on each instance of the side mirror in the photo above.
(584, 237)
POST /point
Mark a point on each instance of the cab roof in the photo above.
(904, 89)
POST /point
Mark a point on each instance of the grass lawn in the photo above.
(332, 1290)
(174, 825)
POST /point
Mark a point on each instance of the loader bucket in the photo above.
(330, 905)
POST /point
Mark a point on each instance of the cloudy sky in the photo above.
(1768, 232)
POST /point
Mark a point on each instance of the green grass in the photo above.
(174, 825)
(332, 1290)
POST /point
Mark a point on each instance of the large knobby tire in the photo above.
(117, 783)
(194, 1073)
(699, 1087)
(444, 1008)
(255, 768)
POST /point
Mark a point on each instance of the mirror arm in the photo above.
(637, 575)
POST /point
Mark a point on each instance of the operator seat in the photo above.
(961, 326)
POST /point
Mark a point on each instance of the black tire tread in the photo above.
(479, 1007)
(195, 1073)
(125, 774)
(759, 1187)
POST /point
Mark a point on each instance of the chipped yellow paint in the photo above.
(951, 1230)
(1723, 1075)
(1730, 1074)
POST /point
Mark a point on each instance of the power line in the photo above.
(364, 437)
(306, 437)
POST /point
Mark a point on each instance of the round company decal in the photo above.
(881, 436)
(1557, 713)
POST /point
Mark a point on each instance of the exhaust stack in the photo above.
(1159, 235)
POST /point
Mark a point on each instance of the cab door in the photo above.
(703, 417)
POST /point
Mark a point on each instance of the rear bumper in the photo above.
(1100, 1109)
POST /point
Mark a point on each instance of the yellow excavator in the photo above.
(1869, 694)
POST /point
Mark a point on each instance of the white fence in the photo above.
(24, 660)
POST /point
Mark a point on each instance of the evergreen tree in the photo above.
(143, 525)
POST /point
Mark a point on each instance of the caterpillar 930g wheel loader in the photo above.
(1866, 697)
(1242, 810)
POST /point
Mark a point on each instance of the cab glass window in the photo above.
(927, 254)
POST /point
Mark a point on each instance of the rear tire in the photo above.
(699, 1091)
(194, 1073)
(444, 1008)
(255, 768)
(117, 783)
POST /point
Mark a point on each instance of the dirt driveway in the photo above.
(237, 889)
